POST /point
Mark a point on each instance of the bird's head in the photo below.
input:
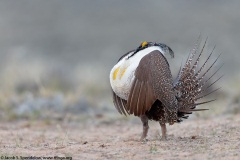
(165, 49)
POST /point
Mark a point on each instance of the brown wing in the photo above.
(153, 80)
(119, 103)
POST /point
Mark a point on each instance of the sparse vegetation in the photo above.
(193, 139)
(55, 98)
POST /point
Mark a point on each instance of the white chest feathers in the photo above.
(122, 74)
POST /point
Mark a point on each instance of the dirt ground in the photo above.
(215, 138)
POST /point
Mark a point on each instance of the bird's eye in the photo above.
(144, 44)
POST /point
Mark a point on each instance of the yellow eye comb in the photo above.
(144, 44)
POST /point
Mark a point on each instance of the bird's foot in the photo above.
(143, 139)
(164, 132)
(164, 138)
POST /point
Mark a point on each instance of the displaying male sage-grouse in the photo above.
(143, 85)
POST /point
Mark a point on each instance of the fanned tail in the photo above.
(192, 84)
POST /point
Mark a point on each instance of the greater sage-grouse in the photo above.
(143, 85)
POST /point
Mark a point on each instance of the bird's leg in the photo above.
(164, 131)
(144, 120)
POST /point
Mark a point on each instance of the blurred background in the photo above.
(56, 55)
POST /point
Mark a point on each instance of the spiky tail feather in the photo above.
(191, 83)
